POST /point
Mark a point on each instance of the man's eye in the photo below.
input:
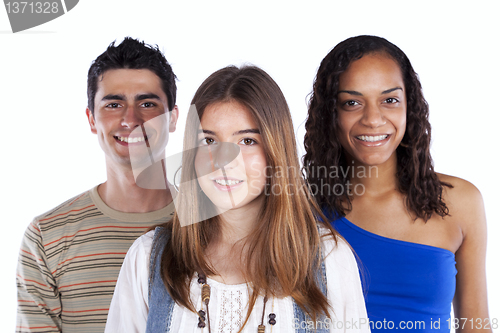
(148, 104)
(113, 105)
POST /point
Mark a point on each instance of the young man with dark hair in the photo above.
(70, 257)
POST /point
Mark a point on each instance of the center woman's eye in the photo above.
(248, 141)
(207, 141)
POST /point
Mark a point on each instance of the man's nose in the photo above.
(131, 118)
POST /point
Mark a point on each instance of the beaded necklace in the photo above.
(205, 299)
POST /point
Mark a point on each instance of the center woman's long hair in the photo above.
(284, 250)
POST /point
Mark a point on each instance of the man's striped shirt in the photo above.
(69, 261)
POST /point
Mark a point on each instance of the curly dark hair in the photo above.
(132, 54)
(415, 171)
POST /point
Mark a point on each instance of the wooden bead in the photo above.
(205, 293)
(261, 329)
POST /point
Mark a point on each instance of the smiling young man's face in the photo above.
(125, 100)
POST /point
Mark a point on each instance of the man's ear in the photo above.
(91, 120)
(174, 115)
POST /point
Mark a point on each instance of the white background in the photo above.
(49, 154)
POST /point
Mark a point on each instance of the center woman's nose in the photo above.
(225, 155)
(214, 157)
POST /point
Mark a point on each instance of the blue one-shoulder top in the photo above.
(407, 285)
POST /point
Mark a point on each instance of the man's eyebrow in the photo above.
(146, 96)
(139, 97)
(115, 97)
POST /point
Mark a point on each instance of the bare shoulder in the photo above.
(463, 200)
(457, 182)
(462, 192)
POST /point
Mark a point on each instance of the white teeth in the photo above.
(228, 182)
(372, 138)
(130, 140)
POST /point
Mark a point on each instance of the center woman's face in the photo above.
(371, 109)
(235, 179)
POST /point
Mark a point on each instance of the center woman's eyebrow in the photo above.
(206, 132)
(245, 131)
(253, 130)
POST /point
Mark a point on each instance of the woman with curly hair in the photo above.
(245, 251)
(420, 236)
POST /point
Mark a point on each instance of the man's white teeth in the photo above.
(130, 140)
(228, 182)
(372, 138)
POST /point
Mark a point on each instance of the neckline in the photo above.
(222, 285)
(162, 213)
(393, 240)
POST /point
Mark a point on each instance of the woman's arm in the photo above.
(128, 311)
(470, 302)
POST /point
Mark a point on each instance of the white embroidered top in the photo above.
(228, 303)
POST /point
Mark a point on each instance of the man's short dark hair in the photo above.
(132, 54)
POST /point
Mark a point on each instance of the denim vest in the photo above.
(161, 305)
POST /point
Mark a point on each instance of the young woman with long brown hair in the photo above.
(245, 251)
(420, 235)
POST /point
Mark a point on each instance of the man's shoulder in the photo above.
(79, 205)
